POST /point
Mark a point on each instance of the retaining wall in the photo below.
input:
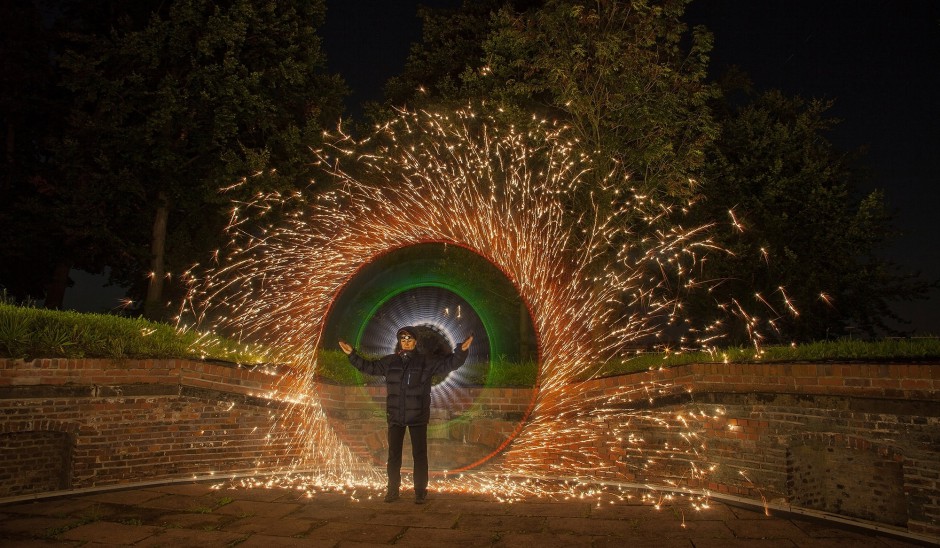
(858, 440)
(111, 422)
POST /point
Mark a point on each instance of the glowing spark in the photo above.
(735, 223)
(789, 304)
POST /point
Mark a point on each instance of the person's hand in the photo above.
(345, 347)
(466, 344)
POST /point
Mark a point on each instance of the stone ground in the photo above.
(195, 514)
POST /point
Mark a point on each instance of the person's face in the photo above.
(407, 342)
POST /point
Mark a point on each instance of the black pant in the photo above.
(419, 451)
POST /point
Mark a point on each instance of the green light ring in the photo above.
(525, 302)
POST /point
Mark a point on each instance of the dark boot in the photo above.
(421, 497)
(391, 495)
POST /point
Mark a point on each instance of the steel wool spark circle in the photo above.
(464, 180)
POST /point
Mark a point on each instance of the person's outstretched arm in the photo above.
(369, 367)
(453, 361)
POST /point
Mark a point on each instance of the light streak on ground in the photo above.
(594, 288)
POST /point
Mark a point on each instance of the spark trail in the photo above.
(593, 287)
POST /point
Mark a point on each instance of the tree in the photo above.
(24, 78)
(626, 76)
(38, 216)
(809, 238)
(199, 97)
(452, 42)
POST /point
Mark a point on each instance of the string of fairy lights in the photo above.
(594, 291)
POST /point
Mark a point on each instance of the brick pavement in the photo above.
(196, 515)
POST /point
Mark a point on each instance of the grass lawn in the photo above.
(30, 333)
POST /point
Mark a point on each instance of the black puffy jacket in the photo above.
(408, 381)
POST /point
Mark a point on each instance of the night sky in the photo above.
(878, 60)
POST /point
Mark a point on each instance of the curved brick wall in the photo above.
(860, 440)
(118, 422)
(854, 439)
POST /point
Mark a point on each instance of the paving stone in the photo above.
(900, 543)
(417, 537)
(106, 531)
(183, 503)
(621, 511)
(822, 529)
(380, 534)
(356, 544)
(379, 498)
(516, 524)
(56, 507)
(672, 528)
(617, 542)
(304, 496)
(267, 541)
(314, 512)
(750, 512)
(34, 526)
(188, 489)
(246, 508)
(479, 507)
(130, 497)
(187, 538)
(328, 497)
(351, 513)
(821, 533)
(377, 502)
(552, 509)
(714, 512)
(202, 521)
(761, 529)
(135, 515)
(431, 520)
(543, 540)
(593, 527)
(300, 495)
(747, 543)
(834, 543)
(282, 527)
(44, 543)
(97, 511)
(262, 494)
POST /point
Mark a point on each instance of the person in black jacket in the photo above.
(408, 375)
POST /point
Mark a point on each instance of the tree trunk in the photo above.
(55, 289)
(153, 305)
